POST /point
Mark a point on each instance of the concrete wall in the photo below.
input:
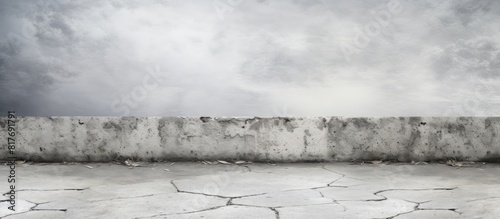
(256, 139)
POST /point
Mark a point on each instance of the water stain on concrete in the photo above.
(112, 125)
(322, 124)
(289, 124)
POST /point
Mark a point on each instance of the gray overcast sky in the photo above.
(250, 58)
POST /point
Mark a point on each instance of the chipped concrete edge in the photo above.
(279, 139)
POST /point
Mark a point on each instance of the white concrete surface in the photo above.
(282, 191)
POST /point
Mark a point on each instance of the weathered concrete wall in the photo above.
(256, 139)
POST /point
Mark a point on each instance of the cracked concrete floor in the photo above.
(300, 190)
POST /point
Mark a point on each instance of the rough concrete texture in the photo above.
(255, 139)
(282, 191)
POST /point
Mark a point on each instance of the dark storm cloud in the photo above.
(257, 57)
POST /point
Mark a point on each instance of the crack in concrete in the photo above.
(386, 190)
(377, 193)
(199, 193)
(334, 181)
(175, 186)
(324, 167)
(276, 213)
(423, 209)
(341, 205)
(440, 209)
(345, 187)
(141, 196)
(48, 209)
(36, 205)
(274, 209)
(207, 209)
(33, 209)
(362, 200)
(403, 213)
(397, 215)
(7, 216)
(341, 175)
(417, 208)
(292, 190)
(229, 202)
(243, 196)
(49, 190)
(214, 208)
(333, 200)
(237, 197)
(189, 212)
(257, 206)
(378, 200)
(218, 196)
(320, 193)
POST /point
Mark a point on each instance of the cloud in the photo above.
(250, 58)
